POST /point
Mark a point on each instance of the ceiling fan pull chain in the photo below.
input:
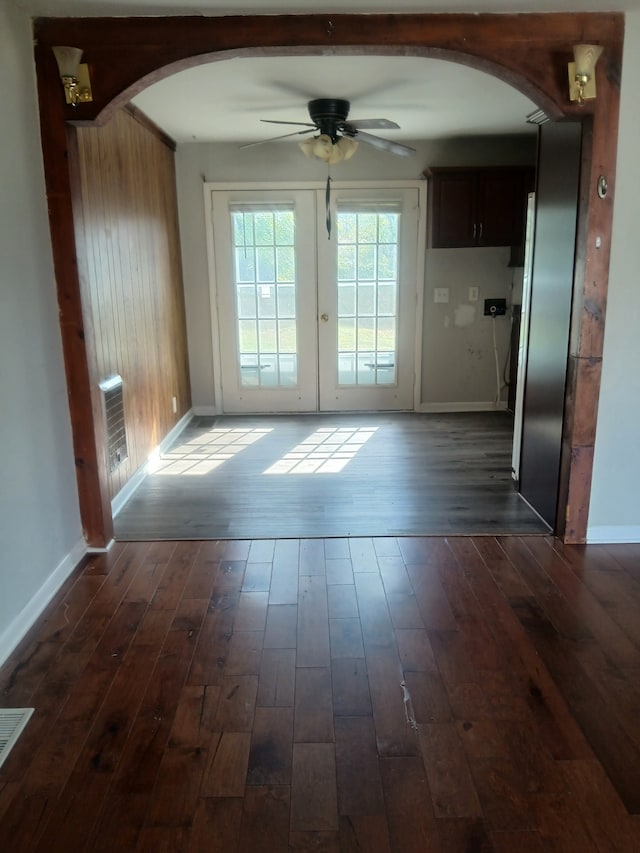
(327, 198)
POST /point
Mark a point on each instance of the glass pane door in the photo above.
(306, 323)
(265, 285)
(367, 305)
(367, 298)
(266, 291)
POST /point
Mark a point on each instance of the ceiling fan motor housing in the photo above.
(328, 114)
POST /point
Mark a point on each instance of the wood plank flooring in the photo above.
(333, 475)
(388, 695)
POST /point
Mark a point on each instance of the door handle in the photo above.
(324, 318)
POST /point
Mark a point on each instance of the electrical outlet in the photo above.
(473, 294)
(441, 294)
(495, 307)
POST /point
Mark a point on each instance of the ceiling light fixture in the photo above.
(582, 80)
(74, 75)
(324, 148)
(329, 149)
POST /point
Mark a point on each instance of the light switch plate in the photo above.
(473, 294)
(441, 294)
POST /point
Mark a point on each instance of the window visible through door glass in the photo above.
(265, 287)
(367, 278)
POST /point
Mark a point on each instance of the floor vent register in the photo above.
(12, 723)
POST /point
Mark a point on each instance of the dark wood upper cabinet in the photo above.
(478, 207)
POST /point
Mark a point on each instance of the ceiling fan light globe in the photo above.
(336, 156)
(323, 147)
(306, 146)
(347, 146)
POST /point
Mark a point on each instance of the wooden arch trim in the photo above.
(529, 52)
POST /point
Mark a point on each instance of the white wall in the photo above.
(615, 492)
(283, 161)
(40, 530)
(458, 361)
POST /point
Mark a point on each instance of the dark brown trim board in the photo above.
(151, 126)
(530, 52)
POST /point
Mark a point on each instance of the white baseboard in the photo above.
(93, 550)
(17, 629)
(205, 411)
(447, 408)
(135, 481)
(613, 534)
(128, 489)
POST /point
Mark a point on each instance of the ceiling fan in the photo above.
(337, 139)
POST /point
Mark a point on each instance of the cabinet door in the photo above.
(452, 210)
(500, 208)
(478, 207)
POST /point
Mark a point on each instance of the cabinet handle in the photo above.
(475, 228)
(480, 236)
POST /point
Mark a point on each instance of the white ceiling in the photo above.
(429, 98)
(224, 101)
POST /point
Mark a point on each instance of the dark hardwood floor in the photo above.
(414, 695)
(333, 475)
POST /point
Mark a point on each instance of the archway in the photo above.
(529, 52)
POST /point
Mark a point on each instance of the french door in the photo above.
(311, 322)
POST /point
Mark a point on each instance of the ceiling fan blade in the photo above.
(374, 124)
(275, 121)
(385, 144)
(273, 138)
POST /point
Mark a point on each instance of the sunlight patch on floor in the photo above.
(326, 451)
(205, 452)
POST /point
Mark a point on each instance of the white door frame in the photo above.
(210, 187)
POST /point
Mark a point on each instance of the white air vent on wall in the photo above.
(112, 392)
(12, 722)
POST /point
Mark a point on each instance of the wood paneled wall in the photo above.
(128, 250)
